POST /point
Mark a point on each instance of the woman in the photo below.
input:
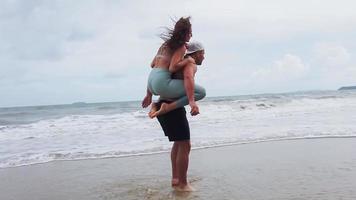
(169, 59)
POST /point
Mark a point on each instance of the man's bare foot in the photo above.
(161, 111)
(153, 110)
(175, 182)
(184, 188)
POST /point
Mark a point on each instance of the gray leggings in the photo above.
(161, 83)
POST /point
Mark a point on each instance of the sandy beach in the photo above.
(290, 169)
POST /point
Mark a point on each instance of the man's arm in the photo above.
(189, 72)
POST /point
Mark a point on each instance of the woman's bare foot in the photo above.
(184, 188)
(164, 109)
(175, 182)
(153, 110)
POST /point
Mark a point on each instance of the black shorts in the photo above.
(174, 124)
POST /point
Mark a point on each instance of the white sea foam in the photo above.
(221, 122)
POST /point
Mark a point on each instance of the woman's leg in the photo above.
(176, 89)
(199, 94)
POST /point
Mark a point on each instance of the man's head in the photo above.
(196, 51)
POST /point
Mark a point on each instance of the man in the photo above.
(175, 124)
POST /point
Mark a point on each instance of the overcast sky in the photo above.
(57, 52)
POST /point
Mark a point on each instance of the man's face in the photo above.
(199, 57)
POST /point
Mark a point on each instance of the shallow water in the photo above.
(283, 170)
(300, 169)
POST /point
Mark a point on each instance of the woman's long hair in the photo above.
(175, 38)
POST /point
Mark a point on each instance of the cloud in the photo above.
(331, 55)
(273, 20)
(288, 68)
(334, 64)
(103, 49)
(65, 39)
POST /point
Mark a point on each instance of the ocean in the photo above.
(38, 134)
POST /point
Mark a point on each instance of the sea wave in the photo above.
(32, 159)
(234, 120)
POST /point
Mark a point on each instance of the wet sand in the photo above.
(291, 169)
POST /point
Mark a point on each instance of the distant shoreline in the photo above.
(348, 88)
(126, 101)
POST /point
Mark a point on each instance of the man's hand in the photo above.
(146, 101)
(194, 109)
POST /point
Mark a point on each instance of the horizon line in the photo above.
(85, 103)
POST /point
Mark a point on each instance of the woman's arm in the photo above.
(183, 63)
(177, 61)
(147, 99)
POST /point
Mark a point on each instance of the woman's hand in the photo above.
(146, 101)
(190, 60)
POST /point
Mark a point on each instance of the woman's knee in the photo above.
(200, 93)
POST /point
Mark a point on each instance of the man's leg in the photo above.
(174, 152)
(182, 163)
(175, 125)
